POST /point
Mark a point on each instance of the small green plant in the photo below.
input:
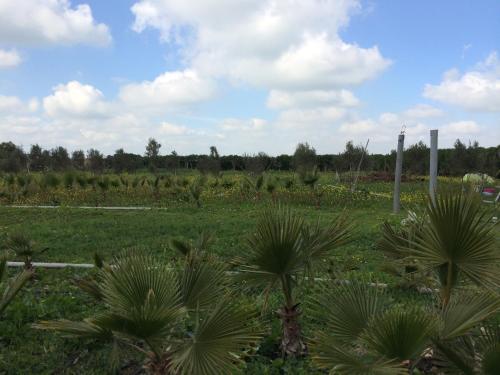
(196, 189)
(23, 247)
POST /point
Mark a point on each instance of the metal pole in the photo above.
(396, 204)
(433, 167)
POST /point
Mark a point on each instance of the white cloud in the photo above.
(310, 119)
(9, 58)
(279, 99)
(423, 111)
(275, 44)
(35, 22)
(168, 91)
(476, 90)
(172, 129)
(10, 103)
(460, 128)
(358, 127)
(75, 99)
(252, 125)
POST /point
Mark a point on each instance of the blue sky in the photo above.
(248, 76)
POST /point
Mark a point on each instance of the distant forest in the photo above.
(454, 161)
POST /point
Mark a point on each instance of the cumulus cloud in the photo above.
(280, 44)
(75, 99)
(461, 127)
(280, 99)
(12, 104)
(423, 111)
(39, 22)
(168, 91)
(252, 125)
(173, 129)
(9, 58)
(475, 90)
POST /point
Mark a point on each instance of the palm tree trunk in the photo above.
(292, 344)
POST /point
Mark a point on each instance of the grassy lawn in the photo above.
(74, 235)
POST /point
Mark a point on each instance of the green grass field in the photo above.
(74, 235)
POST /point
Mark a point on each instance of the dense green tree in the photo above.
(78, 160)
(304, 158)
(95, 161)
(38, 160)
(12, 157)
(152, 153)
(59, 159)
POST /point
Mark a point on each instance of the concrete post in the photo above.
(396, 203)
(433, 167)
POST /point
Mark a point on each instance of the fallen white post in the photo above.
(52, 265)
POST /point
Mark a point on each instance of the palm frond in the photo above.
(319, 242)
(217, 343)
(335, 357)
(201, 283)
(467, 311)
(488, 345)
(458, 234)
(275, 248)
(401, 334)
(345, 310)
(142, 296)
(13, 286)
(84, 329)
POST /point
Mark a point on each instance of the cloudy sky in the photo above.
(248, 75)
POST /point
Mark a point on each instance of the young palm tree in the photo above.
(361, 333)
(282, 251)
(456, 242)
(360, 337)
(148, 302)
(23, 247)
(9, 288)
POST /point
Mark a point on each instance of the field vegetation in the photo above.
(257, 272)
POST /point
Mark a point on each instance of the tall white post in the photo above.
(396, 203)
(433, 168)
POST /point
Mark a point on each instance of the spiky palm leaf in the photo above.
(458, 241)
(216, 343)
(12, 286)
(400, 334)
(338, 360)
(202, 283)
(488, 345)
(284, 247)
(467, 311)
(275, 249)
(346, 310)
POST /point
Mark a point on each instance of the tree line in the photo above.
(454, 161)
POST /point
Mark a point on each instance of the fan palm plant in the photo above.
(284, 250)
(196, 189)
(185, 329)
(456, 242)
(23, 247)
(9, 288)
(362, 334)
